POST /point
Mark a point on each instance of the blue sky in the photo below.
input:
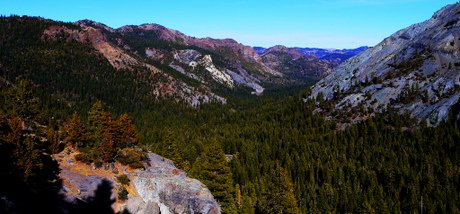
(301, 23)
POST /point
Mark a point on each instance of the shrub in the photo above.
(98, 163)
(131, 157)
(123, 179)
(84, 157)
(122, 194)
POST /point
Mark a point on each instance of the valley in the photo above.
(146, 119)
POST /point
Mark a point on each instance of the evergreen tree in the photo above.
(171, 151)
(213, 170)
(127, 131)
(96, 117)
(21, 101)
(108, 138)
(54, 140)
(75, 131)
(278, 195)
(28, 159)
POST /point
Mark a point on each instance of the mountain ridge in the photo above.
(333, 55)
(293, 63)
(414, 71)
(170, 64)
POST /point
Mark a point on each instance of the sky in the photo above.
(293, 23)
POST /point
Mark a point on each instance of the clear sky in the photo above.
(301, 23)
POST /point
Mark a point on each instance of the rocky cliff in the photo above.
(159, 188)
(415, 71)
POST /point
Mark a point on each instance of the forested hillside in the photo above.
(279, 146)
(375, 166)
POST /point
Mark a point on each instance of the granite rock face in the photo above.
(416, 71)
(169, 188)
(159, 188)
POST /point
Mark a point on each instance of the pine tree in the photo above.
(212, 169)
(28, 158)
(127, 131)
(171, 151)
(278, 193)
(75, 131)
(96, 117)
(21, 101)
(54, 140)
(107, 148)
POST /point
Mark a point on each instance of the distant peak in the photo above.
(91, 23)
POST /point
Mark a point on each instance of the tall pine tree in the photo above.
(278, 193)
(213, 170)
(75, 131)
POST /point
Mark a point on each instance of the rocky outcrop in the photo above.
(159, 188)
(163, 184)
(219, 76)
(416, 71)
(244, 78)
(189, 61)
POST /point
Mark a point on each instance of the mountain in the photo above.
(295, 64)
(156, 62)
(224, 61)
(78, 63)
(335, 56)
(332, 55)
(259, 50)
(414, 71)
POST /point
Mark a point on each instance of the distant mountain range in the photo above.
(295, 64)
(332, 55)
(415, 71)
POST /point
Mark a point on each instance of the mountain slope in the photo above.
(294, 64)
(149, 61)
(415, 71)
(182, 53)
(79, 64)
